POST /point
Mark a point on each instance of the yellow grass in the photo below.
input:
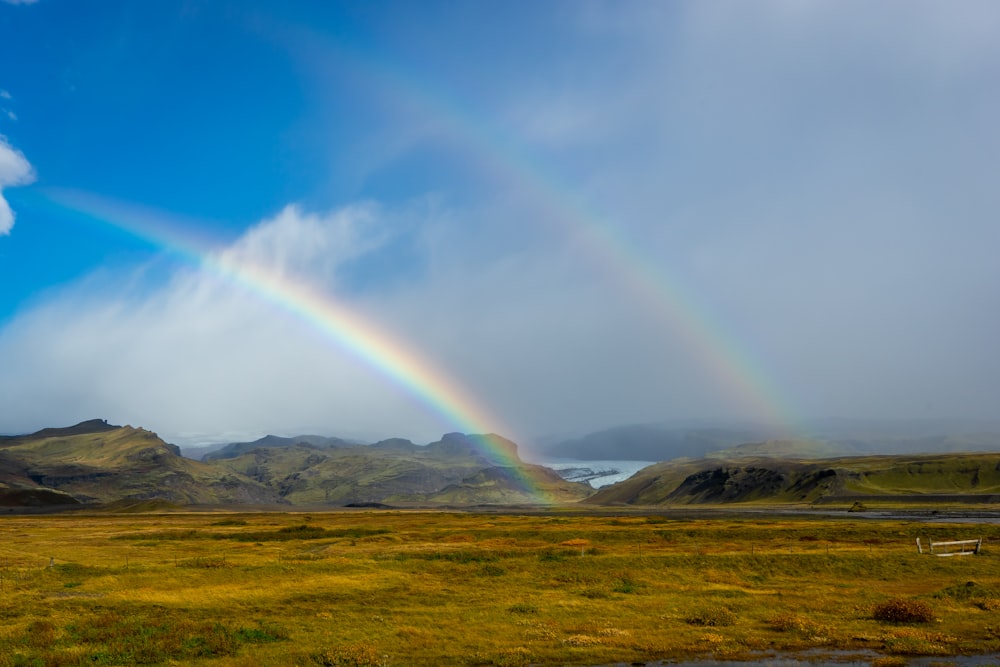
(432, 588)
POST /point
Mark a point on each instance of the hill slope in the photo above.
(760, 479)
(94, 462)
(458, 469)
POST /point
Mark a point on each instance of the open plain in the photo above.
(486, 588)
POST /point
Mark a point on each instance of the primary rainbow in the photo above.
(373, 346)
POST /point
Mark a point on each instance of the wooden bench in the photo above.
(949, 547)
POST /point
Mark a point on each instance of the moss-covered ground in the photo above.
(433, 588)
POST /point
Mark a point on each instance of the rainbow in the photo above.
(362, 339)
(674, 305)
(677, 307)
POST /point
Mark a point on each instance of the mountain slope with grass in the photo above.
(234, 449)
(94, 462)
(97, 463)
(458, 469)
(913, 478)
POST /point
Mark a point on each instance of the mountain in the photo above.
(83, 428)
(458, 469)
(785, 449)
(235, 449)
(94, 462)
(828, 437)
(913, 478)
(655, 442)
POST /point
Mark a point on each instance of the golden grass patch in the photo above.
(430, 588)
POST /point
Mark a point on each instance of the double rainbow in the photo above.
(680, 312)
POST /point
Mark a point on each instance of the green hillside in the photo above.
(123, 467)
(952, 477)
(101, 464)
(458, 469)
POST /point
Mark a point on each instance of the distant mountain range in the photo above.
(94, 462)
(830, 437)
(98, 464)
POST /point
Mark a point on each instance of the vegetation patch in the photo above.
(714, 617)
(352, 655)
(522, 608)
(288, 533)
(581, 640)
(140, 637)
(900, 610)
(795, 623)
(910, 641)
(625, 584)
(967, 592)
(512, 595)
(460, 556)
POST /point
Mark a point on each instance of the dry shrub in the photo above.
(714, 617)
(352, 655)
(899, 610)
(989, 604)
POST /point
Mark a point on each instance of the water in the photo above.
(819, 658)
(596, 473)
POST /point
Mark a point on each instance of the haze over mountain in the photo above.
(830, 437)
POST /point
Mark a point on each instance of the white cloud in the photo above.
(4, 94)
(20, 2)
(307, 244)
(14, 170)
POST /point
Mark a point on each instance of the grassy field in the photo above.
(434, 588)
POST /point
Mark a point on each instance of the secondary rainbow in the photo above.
(375, 347)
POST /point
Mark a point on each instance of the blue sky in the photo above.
(585, 213)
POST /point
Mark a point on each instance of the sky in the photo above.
(374, 219)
